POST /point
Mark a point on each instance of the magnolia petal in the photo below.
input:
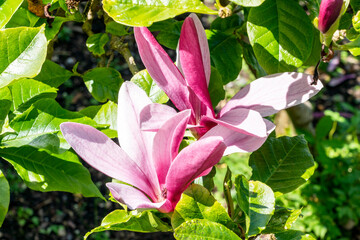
(161, 68)
(136, 143)
(242, 120)
(204, 46)
(153, 116)
(103, 154)
(167, 141)
(192, 62)
(272, 93)
(190, 163)
(132, 197)
(236, 141)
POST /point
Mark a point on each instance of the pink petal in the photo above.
(242, 120)
(132, 197)
(236, 141)
(103, 154)
(167, 141)
(204, 46)
(191, 162)
(153, 116)
(162, 69)
(136, 143)
(192, 62)
(272, 93)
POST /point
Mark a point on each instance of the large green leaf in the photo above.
(203, 229)
(252, 61)
(257, 201)
(144, 81)
(43, 117)
(197, 203)
(42, 171)
(5, 197)
(170, 34)
(282, 220)
(22, 53)
(282, 163)
(27, 91)
(145, 12)
(104, 114)
(293, 235)
(22, 18)
(281, 35)
(7, 9)
(96, 43)
(5, 104)
(120, 220)
(52, 74)
(225, 54)
(249, 3)
(103, 83)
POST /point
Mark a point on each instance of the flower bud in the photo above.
(329, 12)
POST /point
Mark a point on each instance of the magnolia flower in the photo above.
(240, 123)
(329, 17)
(149, 163)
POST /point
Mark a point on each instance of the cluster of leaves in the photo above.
(337, 153)
(31, 141)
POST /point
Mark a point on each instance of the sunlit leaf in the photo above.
(22, 53)
(282, 163)
(46, 172)
(7, 9)
(257, 201)
(145, 12)
(5, 197)
(120, 220)
(280, 45)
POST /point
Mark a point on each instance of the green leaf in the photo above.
(228, 23)
(252, 62)
(315, 50)
(7, 10)
(323, 127)
(144, 12)
(293, 235)
(27, 91)
(216, 89)
(170, 35)
(197, 203)
(22, 18)
(52, 74)
(282, 220)
(116, 29)
(5, 197)
(104, 114)
(248, 3)
(96, 43)
(121, 220)
(225, 54)
(103, 83)
(257, 201)
(282, 163)
(203, 229)
(42, 171)
(43, 117)
(22, 53)
(145, 82)
(280, 33)
(5, 104)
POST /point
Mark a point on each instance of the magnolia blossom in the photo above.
(329, 12)
(149, 163)
(240, 123)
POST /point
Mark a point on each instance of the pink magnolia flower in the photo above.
(240, 123)
(149, 163)
(329, 12)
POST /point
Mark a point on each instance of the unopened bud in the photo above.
(329, 12)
